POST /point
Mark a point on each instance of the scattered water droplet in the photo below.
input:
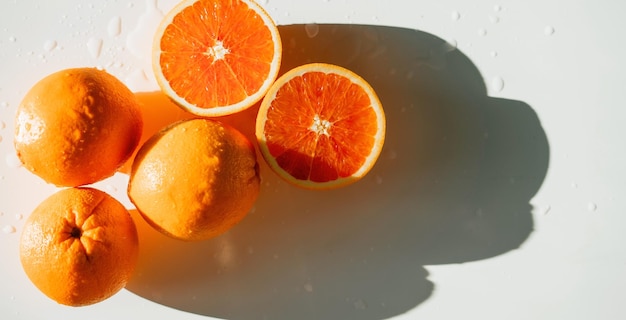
(450, 45)
(482, 32)
(12, 160)
(139, 40)
(494, 19)
(138, 81)
(548, 30)
(8, 229)
(497, 84)
(19, 216)
(308, 287)
(312, 29)
(49, 45)
(493, 53)
(497, 8)
(544, 210)
(455, 15)
(111, 188)
(0, 138)
(94, 46)
(12, 39)
(115, 26)
(359, 304)
(379, 180)
(591, 207)
(574, 185)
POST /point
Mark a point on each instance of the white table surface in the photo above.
(498, 194)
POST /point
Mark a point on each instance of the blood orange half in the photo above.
(216, 57)
(321, 126)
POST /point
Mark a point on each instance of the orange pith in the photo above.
(320, 126)
(216, 57)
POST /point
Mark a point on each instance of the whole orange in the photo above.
(77, 126)
(79, 246)
(195, 179)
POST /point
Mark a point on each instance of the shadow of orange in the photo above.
(452, 185)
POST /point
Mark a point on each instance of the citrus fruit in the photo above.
(79, 246)
(320, 126)
(157, 111)
(216, 57)
(77, 126)
(195, 179)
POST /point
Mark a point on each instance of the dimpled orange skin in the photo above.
(79, 246)
(195, 179)
(77, 126)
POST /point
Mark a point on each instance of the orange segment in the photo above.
(216, 57)
(321, 126)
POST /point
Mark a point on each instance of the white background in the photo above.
(498, 194)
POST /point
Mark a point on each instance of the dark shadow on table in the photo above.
(452, 185)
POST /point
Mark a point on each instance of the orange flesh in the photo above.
(333, 124)
(230, 57)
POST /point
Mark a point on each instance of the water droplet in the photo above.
(544, 210)
(482, 32)
(312, 29)
(455, 15)
(12, 160)
(12, 39)
(8, 229)
(591, 207)
(139, 40)
(379, 180)
(308, 287)
(0, 138)
(49, 45)
(497, 84)
(493, 53)
(115, 26)
(111, 188)
(266, 2)
(392, 154)
(494, 19)
(548, 30)
(450, 45)
(497, 8)
(19, 216)
(359, 304)
(94, 46)
(574, 185)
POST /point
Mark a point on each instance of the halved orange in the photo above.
(321, 126)
(216, 57)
